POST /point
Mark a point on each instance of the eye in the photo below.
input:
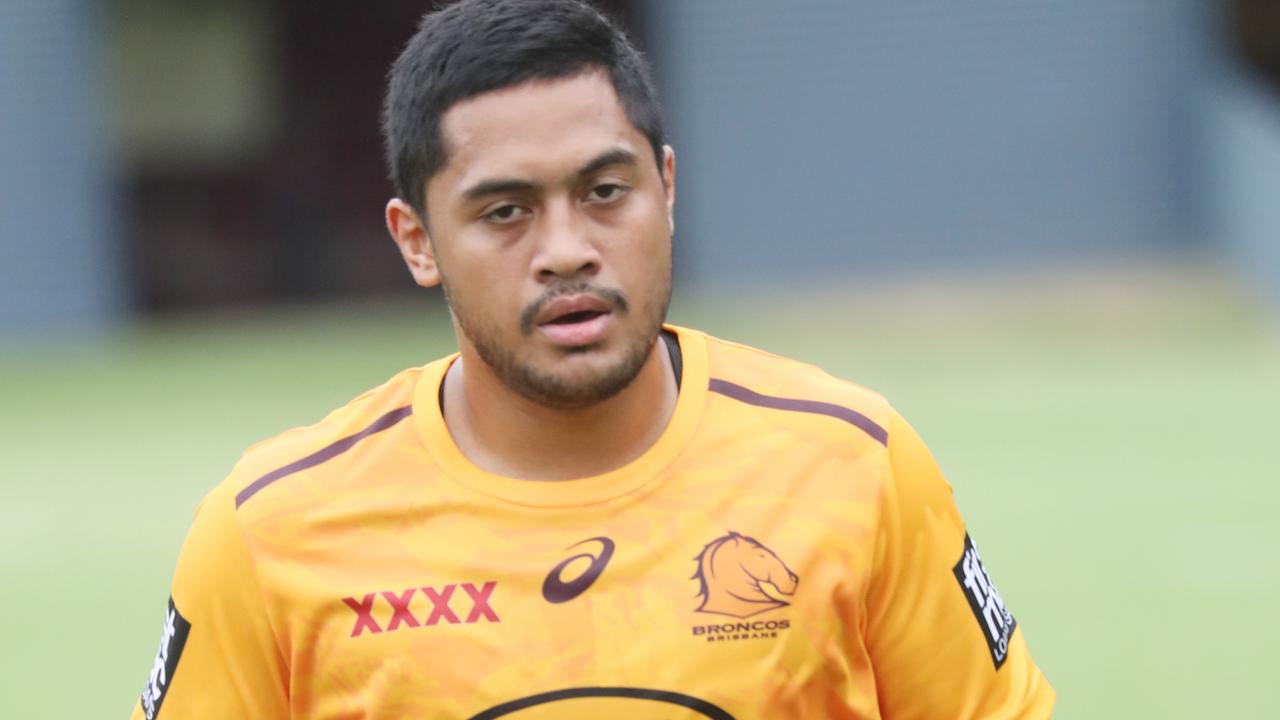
(606, 192)
(504, 214)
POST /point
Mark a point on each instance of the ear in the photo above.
(669, 183)
(410, 234)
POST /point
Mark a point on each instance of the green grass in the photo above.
(1115, 460)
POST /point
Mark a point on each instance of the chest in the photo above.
(686, 604)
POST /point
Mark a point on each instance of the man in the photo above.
(584, 513)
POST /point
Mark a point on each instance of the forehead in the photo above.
(537, 128)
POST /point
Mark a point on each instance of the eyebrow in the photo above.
(497, 186)
(616, 156)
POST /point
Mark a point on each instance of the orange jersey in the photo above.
(786, 549)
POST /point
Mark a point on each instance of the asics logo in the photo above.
(555, 589)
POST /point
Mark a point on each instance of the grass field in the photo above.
(1112, 440)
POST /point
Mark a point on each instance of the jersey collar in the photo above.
(628, 479)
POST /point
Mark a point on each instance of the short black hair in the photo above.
(477, 46)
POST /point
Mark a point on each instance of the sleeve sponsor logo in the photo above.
(993, 617)
(173, 638)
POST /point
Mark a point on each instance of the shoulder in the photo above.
(341, 431)
(790, 391)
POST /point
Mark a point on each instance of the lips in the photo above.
(572, 308)
(574, 317)
(574, 320)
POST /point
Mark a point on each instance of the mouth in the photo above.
(575, 317)
(575, 321)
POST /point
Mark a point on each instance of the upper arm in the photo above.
(941, 642)
(218, 656)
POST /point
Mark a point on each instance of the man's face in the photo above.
(551, 233)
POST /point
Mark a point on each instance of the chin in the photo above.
(580, 378)
(583, 388)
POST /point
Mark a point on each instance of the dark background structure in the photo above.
(212, 154)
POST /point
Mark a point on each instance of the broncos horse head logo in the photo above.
(740, 577)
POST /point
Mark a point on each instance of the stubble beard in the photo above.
(556, 391)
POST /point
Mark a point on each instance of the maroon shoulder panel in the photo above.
(325, 453)
(751, 397)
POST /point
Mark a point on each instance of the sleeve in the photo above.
(941, 641)
(218, 656)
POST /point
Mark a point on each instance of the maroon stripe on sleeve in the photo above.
(751, 397)
(325, 453)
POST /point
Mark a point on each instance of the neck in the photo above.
(507, 434)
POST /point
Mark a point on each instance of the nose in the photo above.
(565, 248)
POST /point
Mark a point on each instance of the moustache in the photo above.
(616, 300)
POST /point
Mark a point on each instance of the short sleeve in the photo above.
(941, 640)
(218, 657)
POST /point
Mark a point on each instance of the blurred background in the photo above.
(1048, 231)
